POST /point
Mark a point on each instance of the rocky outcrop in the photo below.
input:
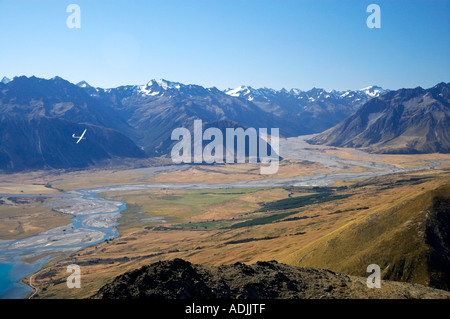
(180, 279)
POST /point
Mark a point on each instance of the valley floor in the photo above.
(205, 214)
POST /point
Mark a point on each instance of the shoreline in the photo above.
(35, 289)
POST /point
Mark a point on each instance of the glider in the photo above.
(79, 137)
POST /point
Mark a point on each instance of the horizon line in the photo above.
(176, 82)
(215, 87)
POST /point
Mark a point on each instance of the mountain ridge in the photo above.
(179, 279)
(38, 118)
(47, 143)
(147, 114)
(162, 105)
(403, 121)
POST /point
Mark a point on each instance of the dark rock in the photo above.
(179, 279)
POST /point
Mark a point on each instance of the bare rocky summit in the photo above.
(180, 279)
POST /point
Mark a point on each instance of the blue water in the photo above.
(11, 274)
(5, 282)
(12, 270)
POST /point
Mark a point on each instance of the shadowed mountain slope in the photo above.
(402, 121)
(38, 118)
(44, 142)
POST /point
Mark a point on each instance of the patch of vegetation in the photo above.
(247, 240)
(289, 203)
(178, 205)
(28, 219)
(166, 197)
(234, 193)
(48, 185)
(204, 225)
(348, 210)
(301, 201)
(262, 220)
(18, 200)
(127, 216)
(230, 191)
(315, 189)
(297, 218)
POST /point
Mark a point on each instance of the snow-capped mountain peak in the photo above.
(250, 93)
(313, 95)
(158, 87)
(243, 91)
(5, 80)
(239, 91)
(167, 84)
(83, 84)
(372, 91)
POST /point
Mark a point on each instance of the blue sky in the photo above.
(227, 43)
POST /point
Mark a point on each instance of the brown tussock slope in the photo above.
(410, 242)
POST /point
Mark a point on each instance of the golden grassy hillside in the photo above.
(409, 241)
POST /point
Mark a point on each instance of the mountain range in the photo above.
(156, 108)
(313, 110)
(137, 120)
(142, 117)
